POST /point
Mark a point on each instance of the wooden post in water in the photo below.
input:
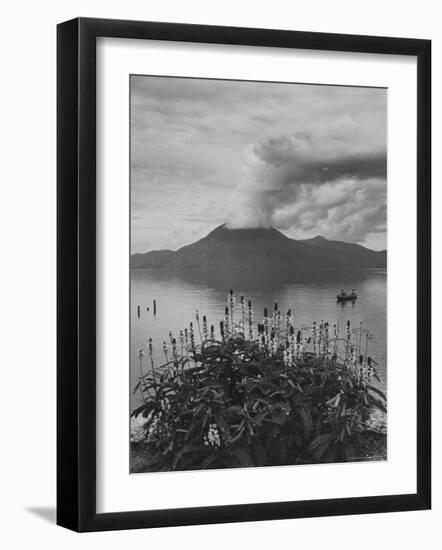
(154, 307)
(138, 311)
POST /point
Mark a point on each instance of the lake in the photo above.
(310, 295)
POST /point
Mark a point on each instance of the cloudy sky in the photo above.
(308, 160)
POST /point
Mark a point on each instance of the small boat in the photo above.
(346, 297)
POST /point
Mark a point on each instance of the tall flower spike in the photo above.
(205, 328)
(326, 338)
(192, 338)
(186, 339)
(141, 355)
(314, 336)
(321, 336)
(261, 339)
(231, 309)
(250, 321)
(292, 340)
(298, 344)
(197, 316)
(347, 343)
(150, 349)
(175, 355)
(182, 342)
(266, 326)
(288, 320)
(243, 315)
(227, 321)
(166, 355)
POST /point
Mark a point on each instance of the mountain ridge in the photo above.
(225, 248)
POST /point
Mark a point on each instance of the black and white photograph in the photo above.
(258, 273)
(218, 260)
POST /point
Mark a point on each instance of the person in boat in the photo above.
(343, 293)
(353, 292)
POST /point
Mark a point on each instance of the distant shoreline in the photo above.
(260, 248)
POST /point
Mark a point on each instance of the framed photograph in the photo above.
(243, 274)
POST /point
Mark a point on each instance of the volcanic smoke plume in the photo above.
(321, 183)
(306, 159)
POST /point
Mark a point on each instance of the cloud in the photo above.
(315, 159)
(311, 184)
(347, 210)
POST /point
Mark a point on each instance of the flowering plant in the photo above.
(280, 398)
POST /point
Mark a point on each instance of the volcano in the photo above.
(260, 248)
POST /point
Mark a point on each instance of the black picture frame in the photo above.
(76, 273)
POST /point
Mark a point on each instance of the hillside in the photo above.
(225, 248)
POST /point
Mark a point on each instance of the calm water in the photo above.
(311, 295)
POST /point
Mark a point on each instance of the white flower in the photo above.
(212, 438)
(137, 428)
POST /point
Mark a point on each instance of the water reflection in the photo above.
(258, 280)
